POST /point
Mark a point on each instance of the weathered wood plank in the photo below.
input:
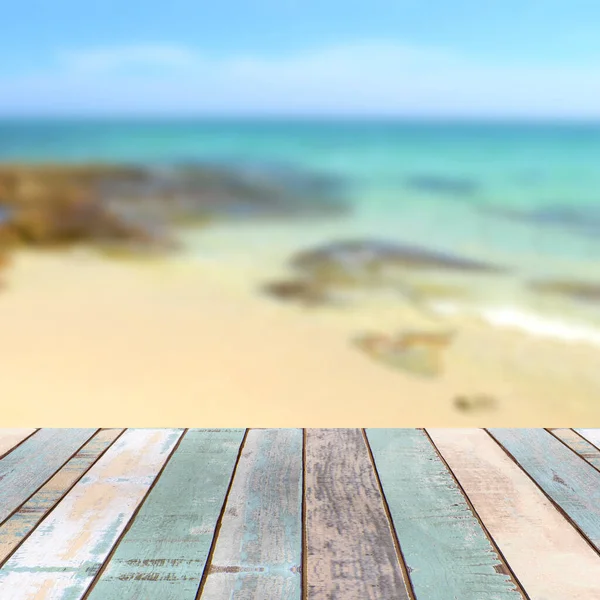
(570, 481)
(27, 516)
(32, 463)
(580, 445)
(446, 550)
(163, 554)
(591, 435)
(9, 438)
(550, 558)
(259, 549)
(351, 553)
(61, 557)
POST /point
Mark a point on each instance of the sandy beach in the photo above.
(207, 297)
(88, 341)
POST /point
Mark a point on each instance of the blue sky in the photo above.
(405, 57)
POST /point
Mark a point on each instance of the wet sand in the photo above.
(90, 342)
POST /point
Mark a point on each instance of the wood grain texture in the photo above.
(9, 438)
(27, 516)
(591, 435)
(351, 553)
(61, 557)
(258, 554)
(580, 445)
(32, 463)
(567, 479)
(446, 550)
(163, 554)
(549, 557)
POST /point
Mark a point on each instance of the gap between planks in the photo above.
(304, 549)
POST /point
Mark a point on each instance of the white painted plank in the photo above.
(591, 435)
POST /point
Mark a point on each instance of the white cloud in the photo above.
(371, 77)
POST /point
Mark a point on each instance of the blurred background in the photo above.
(420, 184)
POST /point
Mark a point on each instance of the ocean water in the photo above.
(523, 195)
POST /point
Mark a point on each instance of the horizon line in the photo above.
(300, 117)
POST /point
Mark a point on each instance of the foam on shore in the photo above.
(541, 326)
(513, 317)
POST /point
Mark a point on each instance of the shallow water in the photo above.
(524, 196)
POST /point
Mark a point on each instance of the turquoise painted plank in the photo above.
(259, 549)
(567, 479)
(446, 551)
(32, 463)
(580, 445)
(11, 438)
(163, 554)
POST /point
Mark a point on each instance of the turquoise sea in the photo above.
(525, 195)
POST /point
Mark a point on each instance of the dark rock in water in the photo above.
(565, 215)
(475, 403)
(221, 192)
(138, 207)
(583, 220)
(443, 185)
(419, 352)
(50, 205)
(576, 290)
(291, 178)
(297, 290)
(363, 258)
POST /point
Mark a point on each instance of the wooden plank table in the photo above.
(287, 514)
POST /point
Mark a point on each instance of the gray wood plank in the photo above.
(351, 554)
